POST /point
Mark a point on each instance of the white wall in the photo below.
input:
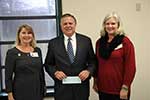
(136, 22)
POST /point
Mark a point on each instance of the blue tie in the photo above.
(70, 50)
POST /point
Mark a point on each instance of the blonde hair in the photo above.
(28, 28)
(117, 18)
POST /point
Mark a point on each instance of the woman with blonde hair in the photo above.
(24, 69)
(116, 61)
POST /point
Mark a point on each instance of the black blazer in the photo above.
(58, 59)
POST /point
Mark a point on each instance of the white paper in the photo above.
(72, 80)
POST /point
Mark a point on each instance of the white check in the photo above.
(71, 80)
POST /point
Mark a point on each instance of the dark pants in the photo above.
(106, 96)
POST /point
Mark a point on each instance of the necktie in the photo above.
(70, 50)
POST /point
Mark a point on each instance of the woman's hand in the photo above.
(124, 92)
(10, 96)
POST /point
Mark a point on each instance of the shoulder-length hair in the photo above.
(117, 18)
(28, 28)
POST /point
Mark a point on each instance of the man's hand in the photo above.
(60, 75)
(84, 75)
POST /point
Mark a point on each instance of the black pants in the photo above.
(106, 96)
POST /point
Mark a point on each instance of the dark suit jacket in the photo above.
(58, 59)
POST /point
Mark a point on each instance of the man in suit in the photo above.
(71, 76)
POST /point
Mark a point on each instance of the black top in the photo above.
(24, 74)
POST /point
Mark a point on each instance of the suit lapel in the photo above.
(78, 47)
(63, 49)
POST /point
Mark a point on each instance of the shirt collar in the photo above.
(73, 37)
